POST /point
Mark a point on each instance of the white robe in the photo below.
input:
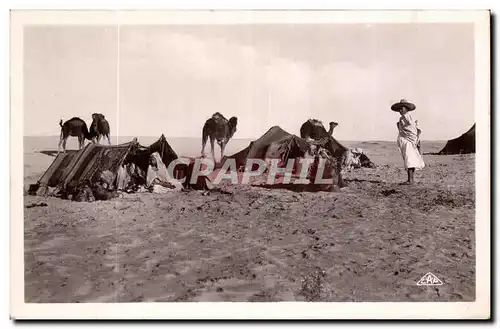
(159, 174)
(407, 142)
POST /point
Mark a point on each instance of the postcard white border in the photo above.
(480, 309)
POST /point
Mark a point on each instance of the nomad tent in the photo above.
(276, 143)
(70, 170)
(466, 143)
(140, 155)
(279, 144)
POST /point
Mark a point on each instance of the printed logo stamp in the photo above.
(429, 280)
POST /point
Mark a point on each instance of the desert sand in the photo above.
(371, 242)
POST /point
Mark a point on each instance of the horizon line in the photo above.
(252, 139)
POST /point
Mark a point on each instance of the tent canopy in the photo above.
(278, 143)
(275, 143)
(464, 144)
(71, 169)
(141, 154)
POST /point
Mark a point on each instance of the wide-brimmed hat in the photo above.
(403, 103)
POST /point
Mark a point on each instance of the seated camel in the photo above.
(314, 129)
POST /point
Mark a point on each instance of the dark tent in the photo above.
(141, 154)
(464, 144)
(275, 143)
(278, 143)
(70, 170)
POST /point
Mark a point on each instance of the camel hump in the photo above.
(218, 116)
(218, 119)
(316, 122)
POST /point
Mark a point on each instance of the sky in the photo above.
(149, 80)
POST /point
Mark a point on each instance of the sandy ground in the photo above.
(372, 242)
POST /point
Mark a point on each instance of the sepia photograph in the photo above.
(265, 164)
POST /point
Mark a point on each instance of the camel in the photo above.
(314, 129)
(75, 127)
(99, 128)
(218, 128)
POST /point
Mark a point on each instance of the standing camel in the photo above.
(99, 128)
(75, 127)
(314, 129)
(218, 128)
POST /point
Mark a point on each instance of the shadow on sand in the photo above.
(363, 181)
(53, 153)
(49, 153)
(299, 187)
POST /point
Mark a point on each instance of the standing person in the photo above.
(408, 138)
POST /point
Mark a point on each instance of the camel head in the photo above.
(332, 126)
(233, 122)
(97, 117)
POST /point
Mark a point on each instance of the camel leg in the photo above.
(64, 144)
(203, 143)
(109, 141)
(212, 145)
(222, 147)
(80, 142)
(61, 138)
(341, 181)
(99, 139)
